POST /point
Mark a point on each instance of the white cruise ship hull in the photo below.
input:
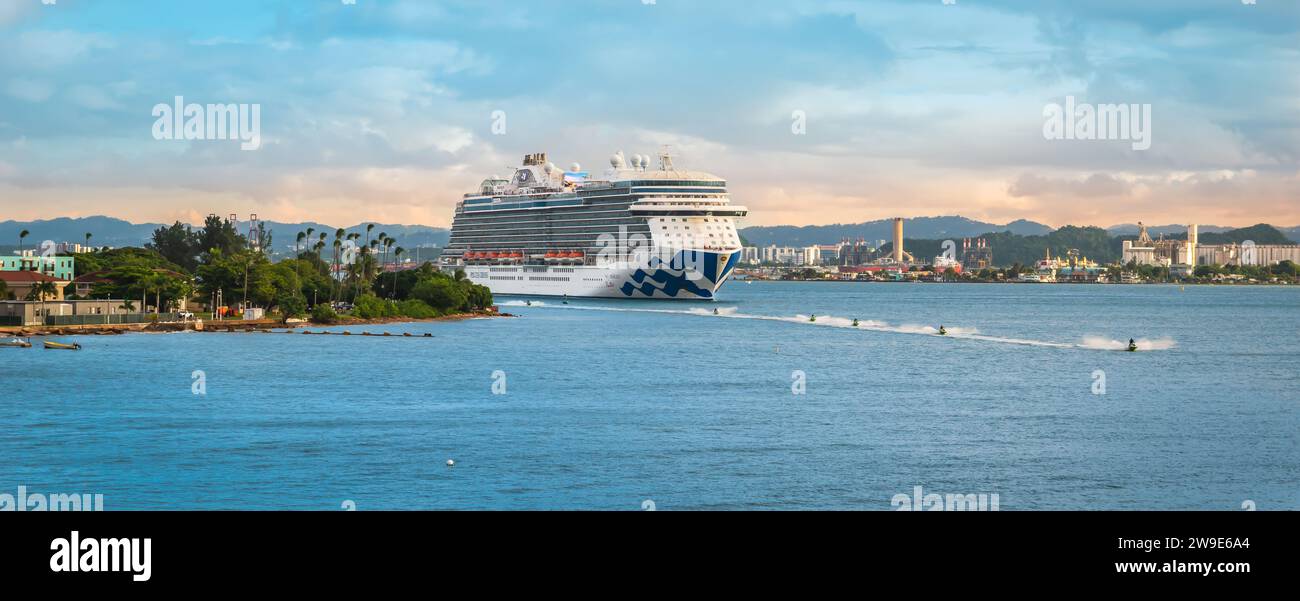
(654, 280)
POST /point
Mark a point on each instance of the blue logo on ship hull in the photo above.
(695, 273)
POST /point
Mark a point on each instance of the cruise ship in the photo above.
(637, 232)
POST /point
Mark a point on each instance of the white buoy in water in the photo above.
(450, 463)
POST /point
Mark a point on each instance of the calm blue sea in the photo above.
(610, 404)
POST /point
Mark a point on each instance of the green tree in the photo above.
(441, 293)
(177, 243)
(291, 305)
(397, 260)
(41, 292)
(127, 306)
(220, 234)
(323, 314)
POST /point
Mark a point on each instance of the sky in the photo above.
(814, 111)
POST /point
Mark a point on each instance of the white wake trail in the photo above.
(830, 321)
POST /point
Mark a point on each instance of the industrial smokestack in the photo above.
(898, 239)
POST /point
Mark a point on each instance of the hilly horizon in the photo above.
(111, 231)
(115, 232)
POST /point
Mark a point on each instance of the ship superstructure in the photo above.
(636, 232)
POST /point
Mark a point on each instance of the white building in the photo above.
(1247, 254)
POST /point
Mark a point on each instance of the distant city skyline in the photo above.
(816, 112)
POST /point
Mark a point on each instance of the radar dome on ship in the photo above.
(574, 168)
(617, 160)
(550, 167)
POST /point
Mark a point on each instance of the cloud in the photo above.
(913, 107)
(29, 90)
(1093, 186)
(14, 11)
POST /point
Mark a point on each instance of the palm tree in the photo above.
(318, 247)
(369, 228)
(387, 244)
(21, 235)
(88, 236)
(40, 292)
(156, 282)
(297, 253)
(397, 258)
(338, 252)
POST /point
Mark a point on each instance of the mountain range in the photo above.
(950, 228)
(919, 227)
(109, 231)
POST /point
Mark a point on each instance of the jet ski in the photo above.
(943, 331)
(812, 319)
(855, 323)
(1132, 346)
(715, 311)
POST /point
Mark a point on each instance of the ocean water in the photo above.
(608, 405)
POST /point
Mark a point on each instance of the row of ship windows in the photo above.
(597, 228)
(606, 221)
(695, 183)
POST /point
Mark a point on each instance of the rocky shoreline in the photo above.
(221, 326)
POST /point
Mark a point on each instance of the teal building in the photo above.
(57, 267)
